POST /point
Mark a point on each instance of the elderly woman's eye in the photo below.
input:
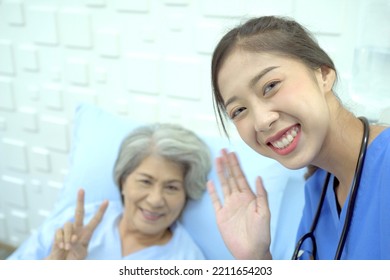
(145, 182)
(172, 188)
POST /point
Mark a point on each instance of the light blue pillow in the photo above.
(96, 138)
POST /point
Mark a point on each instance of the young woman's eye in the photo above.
(270, 86)
(236, 112)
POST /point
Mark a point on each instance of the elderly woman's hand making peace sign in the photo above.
(244, 218)
(71, 241)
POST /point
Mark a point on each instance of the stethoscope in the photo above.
(351, 204)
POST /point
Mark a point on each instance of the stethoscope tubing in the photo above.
(354, 189)
(352, 200)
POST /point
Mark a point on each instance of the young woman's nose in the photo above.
(264, 118)
(155, 197)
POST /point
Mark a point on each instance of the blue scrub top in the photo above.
(369, 233)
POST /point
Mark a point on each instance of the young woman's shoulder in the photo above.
(379, 131)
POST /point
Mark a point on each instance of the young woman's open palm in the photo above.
(244, 218)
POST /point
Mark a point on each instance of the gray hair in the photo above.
(172, 142)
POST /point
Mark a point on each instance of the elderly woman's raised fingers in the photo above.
(79, 212)
(93, 223)
(68, 232)
(59, 238)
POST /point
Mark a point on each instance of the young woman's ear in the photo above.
(328, 78)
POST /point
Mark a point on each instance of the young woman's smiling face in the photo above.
(277, 104)
(154, 195)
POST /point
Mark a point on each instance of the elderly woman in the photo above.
(157, 169)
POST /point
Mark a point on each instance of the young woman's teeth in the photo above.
(286, 139)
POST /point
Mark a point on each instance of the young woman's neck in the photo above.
(342, 145)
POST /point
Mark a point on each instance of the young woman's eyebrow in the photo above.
(230, 100)
(252, 82)
(256, 78)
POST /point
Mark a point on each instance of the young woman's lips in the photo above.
(285, 141)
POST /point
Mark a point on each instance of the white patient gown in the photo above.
(105, 243)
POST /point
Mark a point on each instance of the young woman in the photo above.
(275, 83)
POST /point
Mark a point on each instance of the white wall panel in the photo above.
(3, 229)
(75, 95)
(12, 190)
(28, 119)
(40, 159)
(257, 8)
(177, 2)
(221, 8)
(27, 58)
(95, 3)
(77, 71)
(107, 42)
(304, 14)
(18, 221)
(75, 28)
(207, 34)
(3, 124)
(385, 115)
(55, 133)
(15, 154)
(39, 201)
(15, 12)
(180, 77)
(142, 72)
(51, 94)
(145, 108)
(7, 98)
(132, 6)
(7, 65)
(43, 24)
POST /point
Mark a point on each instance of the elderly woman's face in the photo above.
(154, 195)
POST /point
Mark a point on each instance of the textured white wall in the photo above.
(145, 59)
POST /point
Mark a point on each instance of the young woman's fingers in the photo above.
(221, 173)
(237, 173)
(236, 178)
(214, 196)
(93, 223)
(262, 197)
(79, 212)
(228, 171)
